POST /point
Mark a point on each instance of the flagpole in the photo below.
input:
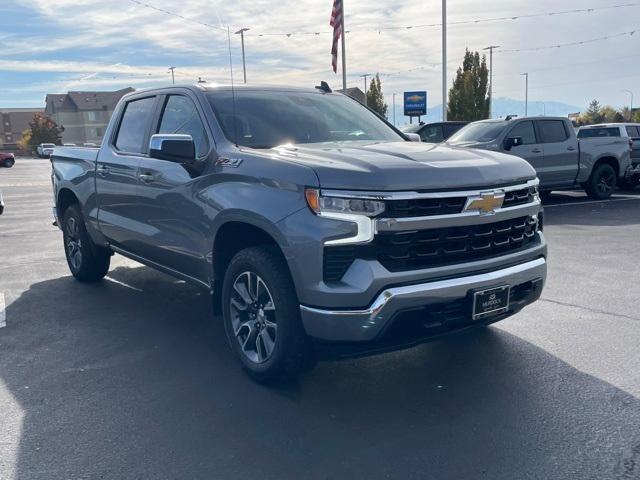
(344, 53)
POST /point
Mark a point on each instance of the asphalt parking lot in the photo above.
(131, 378)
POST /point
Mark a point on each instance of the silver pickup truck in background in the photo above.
(550, 145)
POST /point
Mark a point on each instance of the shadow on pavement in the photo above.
(130, 378)
(570, 208)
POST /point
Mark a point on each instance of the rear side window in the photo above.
(525, 131)
(599, 132)
(135, 125)
(180, 116)
(432, 134)
(552, 131)
(633, 132)
(451, 129)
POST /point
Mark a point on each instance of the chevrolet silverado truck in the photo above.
(319, 229)
(550, 145)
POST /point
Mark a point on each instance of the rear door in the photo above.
(531, 149)
(561, 153)
(117, 174)
(177, 233)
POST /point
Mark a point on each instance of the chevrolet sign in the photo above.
(415, 104)
(486, 203)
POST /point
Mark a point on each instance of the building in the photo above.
(14, 121)
(84, 115)
(354, 92)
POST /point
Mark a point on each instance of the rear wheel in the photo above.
(602, 182)
(87, 261)
(261, 316)
(8, 162)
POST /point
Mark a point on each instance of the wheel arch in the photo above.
(65, 198)
(608, 160)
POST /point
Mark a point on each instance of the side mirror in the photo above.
(413, 137)
(172, 147)
(511, 142)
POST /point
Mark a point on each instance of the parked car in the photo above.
(434, 132)
(68, 144)
(7, 160)
(550, 145)
(45, 150)
(317, 226)
(631, 131)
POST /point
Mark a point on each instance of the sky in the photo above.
(52, 46)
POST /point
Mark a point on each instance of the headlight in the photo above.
(351, 206)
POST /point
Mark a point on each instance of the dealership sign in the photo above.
(415, 104)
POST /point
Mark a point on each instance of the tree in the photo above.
(42, 129)
(469, 98)
(375, 98)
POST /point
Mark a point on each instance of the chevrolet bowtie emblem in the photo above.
(486, 203)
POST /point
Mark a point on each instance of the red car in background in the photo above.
(7, 160)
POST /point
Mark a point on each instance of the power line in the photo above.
(177, 15)
(569, 44)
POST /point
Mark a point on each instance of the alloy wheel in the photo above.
(74, 244)
(253, 317)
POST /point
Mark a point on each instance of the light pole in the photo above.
(173, 77)
(444, 60)
(491, 48)
(631, 104)
(394, 109)
(244, 65)
(366, 100)
(526, 93)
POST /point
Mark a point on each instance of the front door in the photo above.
(532, 150)
(178, 233)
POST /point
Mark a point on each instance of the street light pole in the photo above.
(366, 100)
(444, 60)
(491, 48)
(526, 93)
(631, 104)
(244, 65)
(173, 77)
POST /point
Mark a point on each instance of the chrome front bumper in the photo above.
(365, 325)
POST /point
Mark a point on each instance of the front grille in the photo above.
(413, 250)
(430, 207)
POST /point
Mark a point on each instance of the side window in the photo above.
(526, 131)
(633, 132)
(552, 131)
(451, 129)
(432, 134)
(180, 116)
(134, 125)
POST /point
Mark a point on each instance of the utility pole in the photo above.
(244, 65)
(444, 60)
(366, 100)
(394, 109)
(491, 48)
(526, 93)
(173, 77)
(631, 104)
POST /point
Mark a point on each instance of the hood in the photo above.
(397, 166)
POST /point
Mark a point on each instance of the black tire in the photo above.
(8, 162)
(602, 182)
(545, 195)
(629, 183)
(87, 262)
(277, 304)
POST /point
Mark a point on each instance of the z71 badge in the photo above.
(228, 162)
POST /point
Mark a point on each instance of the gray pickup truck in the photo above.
(550, 145)
(318, 228)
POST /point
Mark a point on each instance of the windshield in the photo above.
(48, 145)
(266, 119)
(478, 132)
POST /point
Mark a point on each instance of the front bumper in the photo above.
(369, 324)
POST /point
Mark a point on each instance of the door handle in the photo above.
(571, 148)
(102, 170)
(536, 150)
(146, 177)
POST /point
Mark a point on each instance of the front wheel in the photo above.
(9, 162)
(602, 182)
(87, 261)
(261, 316)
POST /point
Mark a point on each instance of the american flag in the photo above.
(336, 23)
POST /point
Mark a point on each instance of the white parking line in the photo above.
(624, 199)
(3, 317)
